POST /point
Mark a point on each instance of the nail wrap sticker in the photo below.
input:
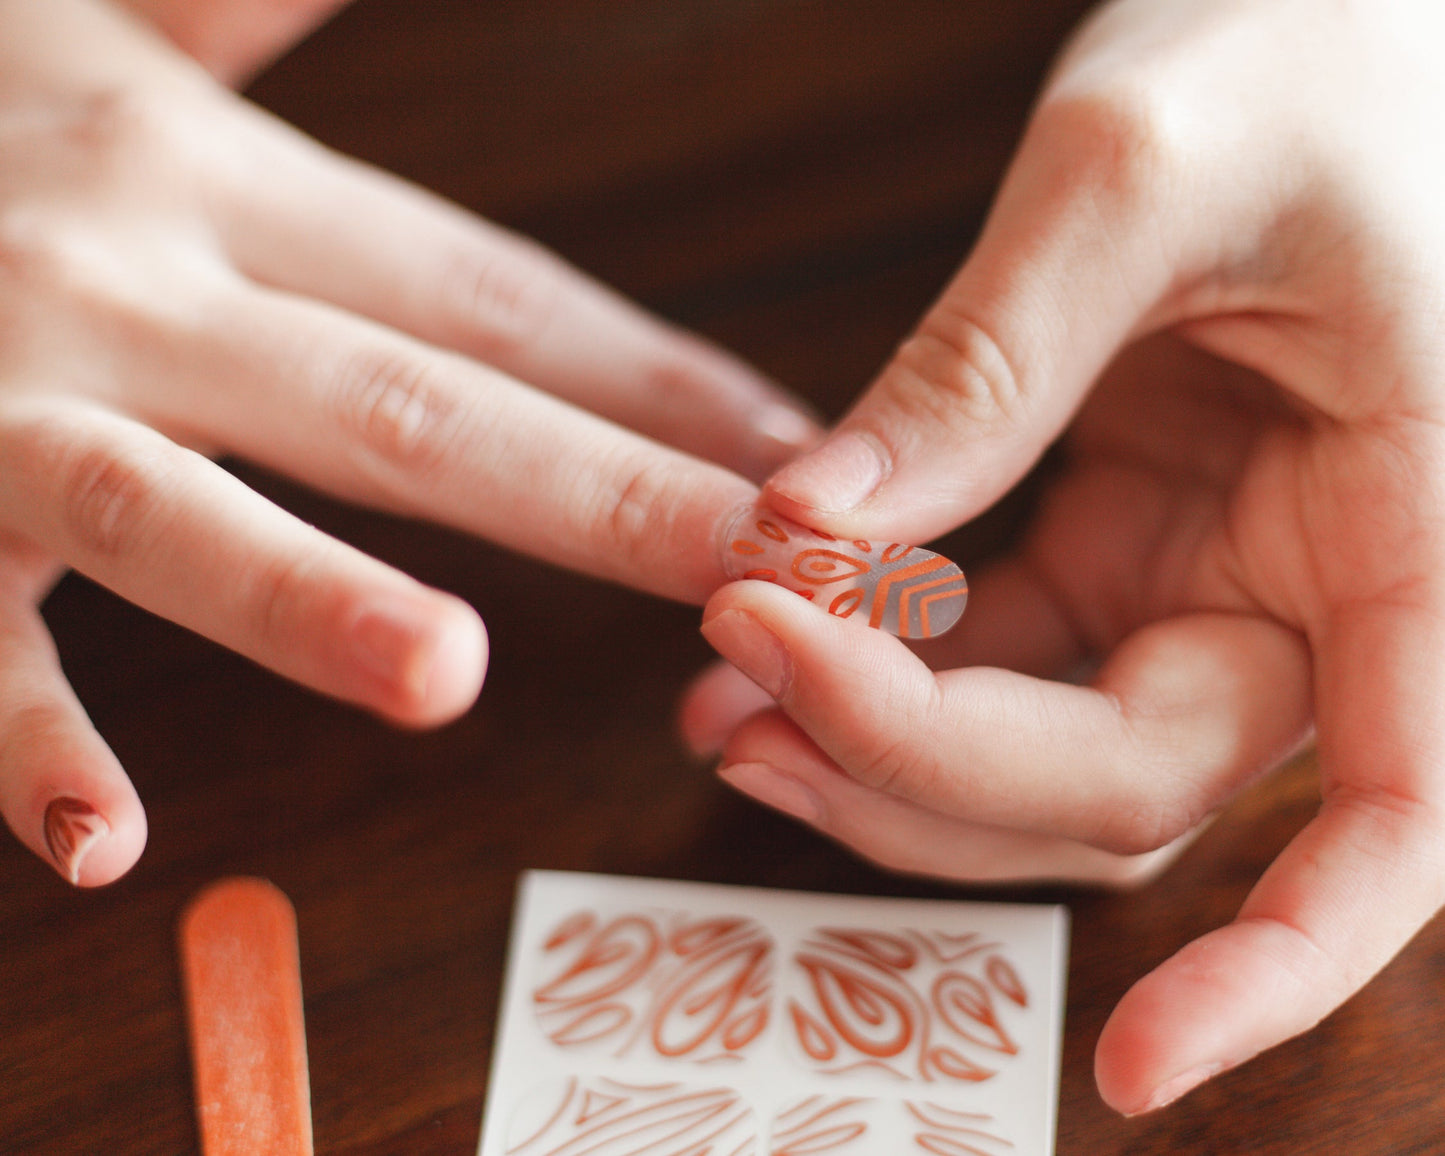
(604, 1117)
(644, 1016)
(926, 1006)
(905, 590)
(863, 1126)
(662, 984)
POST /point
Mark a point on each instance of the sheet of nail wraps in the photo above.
(680, 1019)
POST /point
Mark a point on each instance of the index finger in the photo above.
(371, 415)
(411, 260)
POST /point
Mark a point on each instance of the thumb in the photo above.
(1070, 265)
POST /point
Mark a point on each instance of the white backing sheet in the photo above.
(652, 1018)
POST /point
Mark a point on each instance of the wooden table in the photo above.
(795, 178)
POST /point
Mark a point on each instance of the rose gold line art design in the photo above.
(665, 984)
(920, 1006)
(949, 1132)
(604, 1117)
(865, 1126)
(906, 590)
(72, 828)
(906, 576)
(941, 589)
(813, 1125)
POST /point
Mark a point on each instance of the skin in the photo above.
(160, 306)
(1217, 265)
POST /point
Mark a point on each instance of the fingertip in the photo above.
(834, 479)
(1120, 1069)
(84, 818)
(420, 663)
(777, 435)
(1196, 1015)
(714, 705)
(458, 667)
(112, 855)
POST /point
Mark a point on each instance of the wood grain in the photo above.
(795, 178)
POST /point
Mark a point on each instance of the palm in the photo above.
(1160, 510)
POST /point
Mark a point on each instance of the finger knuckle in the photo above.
(34, 726)
(32, 264)
(679, 383)
(953, 374)
(1140, 829)
(113, 498)
(638, 510)
(395, 407)
(502, 295)
(124, 119)
(44, 258)
(29, 246)
(282, 597)
(1398, 826)
(899, 766)
(128, 132)
(1119, 143)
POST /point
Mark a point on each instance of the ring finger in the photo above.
(176, 534)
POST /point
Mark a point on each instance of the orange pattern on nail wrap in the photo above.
(605, 1117)
(867, 1126)
(664, 984)
(929, 1006)
(905, 590)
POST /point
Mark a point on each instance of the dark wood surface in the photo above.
(795, 178)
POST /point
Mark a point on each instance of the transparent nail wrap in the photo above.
(655, 1018)
(905, 590)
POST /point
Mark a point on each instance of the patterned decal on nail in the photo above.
(72, 827)
(905, 590)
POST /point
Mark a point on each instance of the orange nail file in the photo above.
(248, 1040)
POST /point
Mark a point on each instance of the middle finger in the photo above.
(372, 415)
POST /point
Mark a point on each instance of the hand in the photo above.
(234, 39)
(1219, 254)
(182, 275)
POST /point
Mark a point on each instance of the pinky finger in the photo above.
(776, 764)
(62, 791)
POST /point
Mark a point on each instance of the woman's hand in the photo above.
(1220, 255)
(234, 39)
(181, 275)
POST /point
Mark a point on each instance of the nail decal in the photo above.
(905, 590)
(72, 828)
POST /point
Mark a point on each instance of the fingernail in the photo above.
(390, 646)
(456, 667)
(786, 428)
(839, 475)
(770, 786)
(1171, 1090)
(904, 590)
(778, 435)
(72, 828)
(751, 647)
(436, 664)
